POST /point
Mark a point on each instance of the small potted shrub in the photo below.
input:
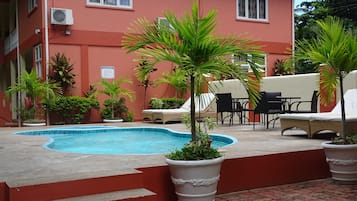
(114, 106)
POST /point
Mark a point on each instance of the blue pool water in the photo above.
(118, 140)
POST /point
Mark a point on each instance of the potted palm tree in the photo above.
(114, 106)
(35, 90)
(335, 49)
(190, 44)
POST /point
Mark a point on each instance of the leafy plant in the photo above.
(190, 44)
(282, 67)
(35, 90)
(114, 91)
(166, 103)
(118, 107)
(335, 48)
(71, 109)
(62, 71)
(177, 79)
(200, 149)
(156, 103)
(143, 71)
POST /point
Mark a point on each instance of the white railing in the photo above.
(10, 42)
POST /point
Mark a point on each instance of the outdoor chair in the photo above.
(313, 123)
(225, 104)
(203, 109)
(269, 104)
(295, 106)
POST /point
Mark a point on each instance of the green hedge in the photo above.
(70, 109)
(166, 103)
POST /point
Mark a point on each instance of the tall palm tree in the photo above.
(114, 91)
(190, 44)
(335, 48)
(34, 88)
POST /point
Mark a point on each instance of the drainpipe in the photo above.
(293, 33)
(45, 10)
(18, 63)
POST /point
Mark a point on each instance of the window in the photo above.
(162, 22)
(252, 9)
(38, 59)
(259, 60)
(112, 3)
(32, 4)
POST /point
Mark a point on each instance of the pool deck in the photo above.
(25, 162)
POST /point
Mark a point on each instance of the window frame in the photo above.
(31, 5)
(37, 54)
(243, 64)
(246, 11)
(101, 3)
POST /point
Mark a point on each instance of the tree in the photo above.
(35, 90)
(190, 44)
(142, 72)
(114, 91)
(336, 49)
(306, 16)
(346, 9)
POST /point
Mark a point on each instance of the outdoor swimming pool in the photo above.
(119, 140)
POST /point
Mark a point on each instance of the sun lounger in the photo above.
(313, 123)
(203, 109)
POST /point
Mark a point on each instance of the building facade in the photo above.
(89, 33)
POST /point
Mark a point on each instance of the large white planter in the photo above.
(195, 180)
(342, 160)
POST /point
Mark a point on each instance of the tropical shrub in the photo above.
(70, 109)
(116, 108)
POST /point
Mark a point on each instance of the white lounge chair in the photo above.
(313, 123)
(203, 105)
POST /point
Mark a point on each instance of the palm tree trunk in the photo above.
(343, 112)
(193, 120)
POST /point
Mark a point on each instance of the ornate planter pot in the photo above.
(195, 180)
(342, 160)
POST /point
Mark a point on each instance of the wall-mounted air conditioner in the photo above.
(61, 16)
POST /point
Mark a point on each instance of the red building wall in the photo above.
(95, 38)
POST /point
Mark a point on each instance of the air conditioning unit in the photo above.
(61, 16)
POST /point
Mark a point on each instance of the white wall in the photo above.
(301, 85)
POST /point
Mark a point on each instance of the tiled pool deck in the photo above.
(24, 161)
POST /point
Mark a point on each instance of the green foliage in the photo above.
(336, 49)
(349, 140)
(156, 103)
(193, 151)
(166, 103)
(35, 90)
(62, 71)
(71, 109)
(117, 107)
(201, 148)
(114, 91)
(177, 79)
(190, 44)
(142, 72)
(282, 67)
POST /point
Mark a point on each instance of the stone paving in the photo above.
(316, 190)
